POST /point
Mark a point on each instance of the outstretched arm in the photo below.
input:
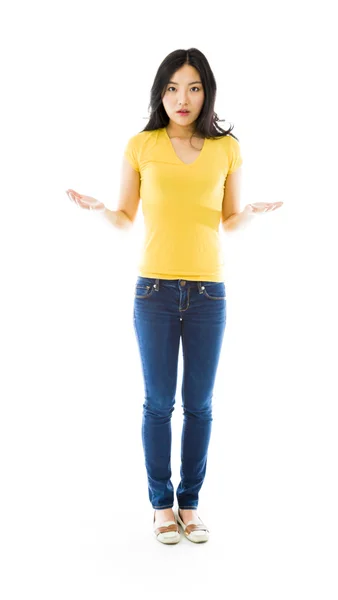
(232, 217)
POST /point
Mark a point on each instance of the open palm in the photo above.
(86, 202)
(262, 207)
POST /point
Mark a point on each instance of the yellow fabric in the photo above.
(182, 205)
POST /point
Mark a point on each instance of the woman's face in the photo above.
(184, 90)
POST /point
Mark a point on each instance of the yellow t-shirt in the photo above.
(182, 205)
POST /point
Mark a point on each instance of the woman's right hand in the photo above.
(85, 201)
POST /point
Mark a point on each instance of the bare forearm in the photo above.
(237, 221)
(117, 218)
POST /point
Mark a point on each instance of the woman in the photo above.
(187, 171)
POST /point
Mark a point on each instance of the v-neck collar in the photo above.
(174, 152)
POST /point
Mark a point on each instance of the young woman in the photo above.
(187, 171)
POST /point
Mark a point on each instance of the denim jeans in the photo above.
(165, 310)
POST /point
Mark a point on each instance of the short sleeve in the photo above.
(131, 154)
(235, 160)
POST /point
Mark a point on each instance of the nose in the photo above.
(182, 99)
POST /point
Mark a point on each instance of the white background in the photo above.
(76, 521)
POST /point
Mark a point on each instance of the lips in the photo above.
(182, 111)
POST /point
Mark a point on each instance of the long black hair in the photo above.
(206, 122)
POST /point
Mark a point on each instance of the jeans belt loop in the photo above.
(157, 284)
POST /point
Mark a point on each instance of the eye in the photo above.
(193, 88)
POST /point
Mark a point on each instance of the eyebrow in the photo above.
(188, 83)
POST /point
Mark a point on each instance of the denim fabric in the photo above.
(164, 311)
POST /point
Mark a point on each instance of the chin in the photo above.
(177, 119)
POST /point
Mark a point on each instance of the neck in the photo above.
(174, 130)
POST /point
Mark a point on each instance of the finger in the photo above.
(78, 200)
(72, 193)
(71, 196)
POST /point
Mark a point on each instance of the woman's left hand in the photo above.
(262, 207)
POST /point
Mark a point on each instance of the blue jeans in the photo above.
(165, 310)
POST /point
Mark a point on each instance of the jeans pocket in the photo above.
(214, 290)
(143, 291)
